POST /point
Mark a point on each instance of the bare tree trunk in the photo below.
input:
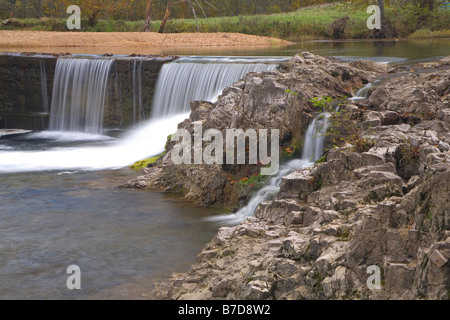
(195, 15)
(148, 16)
(381, 5)
(166, 16)
(93, 18)
(170, 3)
(386, 27)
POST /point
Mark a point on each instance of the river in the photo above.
(124, 241)
(53, 219)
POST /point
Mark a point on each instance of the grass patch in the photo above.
(322, 159)
(307, 22)
(427, 33)
(311, 22)
(343, 234)
(344, 129)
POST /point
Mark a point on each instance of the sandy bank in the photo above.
(27, 40)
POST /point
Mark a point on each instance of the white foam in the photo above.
(147, 140)
(65, 136)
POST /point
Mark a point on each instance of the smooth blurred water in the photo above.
(403, 48)
(52, 150)
(60, 205)
(201, 78)
(50, 220)
(79, 94)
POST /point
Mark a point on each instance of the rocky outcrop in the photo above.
(425, 95)
(267, 100)
(334, 223)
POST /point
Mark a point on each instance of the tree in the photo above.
(168, 11)
(166, 16)
(381, 5)
(386, 27)
(427, 3)
(148, 16)
(11, 15)
(90, 8)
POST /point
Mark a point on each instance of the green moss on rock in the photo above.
(145, 163)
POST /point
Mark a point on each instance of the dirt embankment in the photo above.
(46, 39)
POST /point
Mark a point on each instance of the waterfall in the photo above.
(77, 107)
(44, 91)
(363, 92)
(189, 79)
(80, 85)
(138, 107)
(79, 93)
(312, 151)
(315, 138)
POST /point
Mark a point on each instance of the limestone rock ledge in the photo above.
(387, 207)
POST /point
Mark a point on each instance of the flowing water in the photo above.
(77, 112)
(59, 201)
(50, 220)
(48, 150)
(44, 91)
(201, 78)
(138, 107)
(79, 94)
(312, 151)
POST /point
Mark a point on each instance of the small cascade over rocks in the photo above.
(312, 151)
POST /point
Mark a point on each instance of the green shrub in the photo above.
(427, 33)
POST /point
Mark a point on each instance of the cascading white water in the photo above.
(138, 106)
(312, 151)
(80, 82)
(79, 94)
(44, 91)
(145, 140)
(363, 92)
(315, 138)
(194, 78)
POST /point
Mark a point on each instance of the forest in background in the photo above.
(134, 10)
(287, 19)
